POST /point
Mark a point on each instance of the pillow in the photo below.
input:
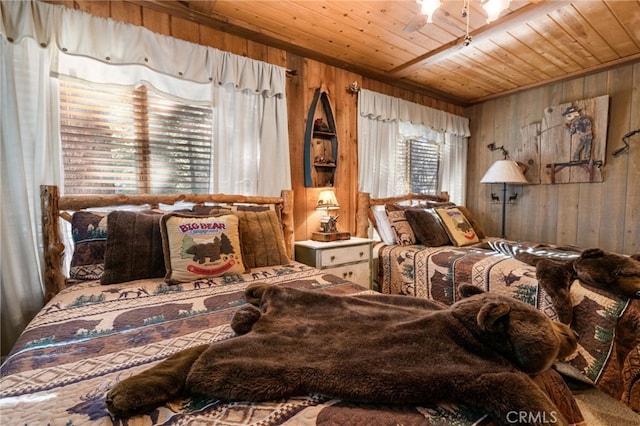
(474, 223)
(89, 232)
(261, 239)
(402, 231)
(204, 210)
(200, 246)
(427, 227)
(425, 204)
(133, 247)
(383, 225)
(457, 226)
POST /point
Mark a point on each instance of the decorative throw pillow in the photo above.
(89, 232)
(206, 210)
(427, 227)
(472, 220)
(261, 238)
(420, 204)
(134, 247)
(402, 231)
(457, 226)
(200, 246)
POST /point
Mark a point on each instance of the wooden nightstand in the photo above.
(350, 259)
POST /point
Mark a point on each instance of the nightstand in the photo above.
(350, 259)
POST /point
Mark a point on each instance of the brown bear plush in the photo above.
(376, 349)
(594, 267)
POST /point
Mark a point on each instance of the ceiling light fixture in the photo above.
(427, 7)
(493, 8)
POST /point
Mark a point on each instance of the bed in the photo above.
(92, 334)
(432, 262)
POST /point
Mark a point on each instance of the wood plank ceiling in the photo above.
(532, 43)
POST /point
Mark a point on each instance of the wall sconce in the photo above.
(353, 88)
(492, 146)
(327, 201)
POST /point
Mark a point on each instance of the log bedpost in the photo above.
(54, 279)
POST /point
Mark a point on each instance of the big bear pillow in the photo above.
(458, 227)
(200, 246)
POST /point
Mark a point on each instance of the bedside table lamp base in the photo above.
(330, 236)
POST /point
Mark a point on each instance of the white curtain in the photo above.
(40, 41)
(383, 120)
(454, 167)
(29, 156)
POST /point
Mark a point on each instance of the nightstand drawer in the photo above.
(358, 273)
(341, 255)
(349, 259)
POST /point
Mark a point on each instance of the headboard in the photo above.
(56, 207)
(364, 213)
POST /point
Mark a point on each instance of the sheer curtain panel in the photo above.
(384, 120)
(29, 156)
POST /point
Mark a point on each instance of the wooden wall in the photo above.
(300, 88)
(605, 214)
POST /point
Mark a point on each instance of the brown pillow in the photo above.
(89, 232)
(134, 247)
(427, 228)
(422, 204)
(401, 229)
(261, 239)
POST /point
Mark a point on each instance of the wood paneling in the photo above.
(601, 214)
(532, 43)
(310, 74)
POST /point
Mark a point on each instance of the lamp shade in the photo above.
(504, 171)
(327, 200)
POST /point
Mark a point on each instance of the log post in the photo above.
(54, 279)
(287, 220)
(362, 214)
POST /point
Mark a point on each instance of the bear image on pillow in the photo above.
(481, 352)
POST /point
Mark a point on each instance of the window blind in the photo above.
(118, 140)
(417, 167)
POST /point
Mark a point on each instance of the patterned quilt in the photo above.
(608, 353)
(90, 336)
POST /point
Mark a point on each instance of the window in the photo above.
(417, 167)
(118, 140)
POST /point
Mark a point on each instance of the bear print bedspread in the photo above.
(91, 336)
(608, 353)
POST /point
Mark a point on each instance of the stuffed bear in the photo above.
(594, 267)
(378, 349)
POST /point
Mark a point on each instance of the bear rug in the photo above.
(482, 351)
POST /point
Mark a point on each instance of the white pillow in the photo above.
(384, 226)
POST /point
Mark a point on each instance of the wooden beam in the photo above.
(501, 26)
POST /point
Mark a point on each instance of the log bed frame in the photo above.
(56, 207)
(364, 211)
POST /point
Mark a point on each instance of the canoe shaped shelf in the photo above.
(320, 142)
